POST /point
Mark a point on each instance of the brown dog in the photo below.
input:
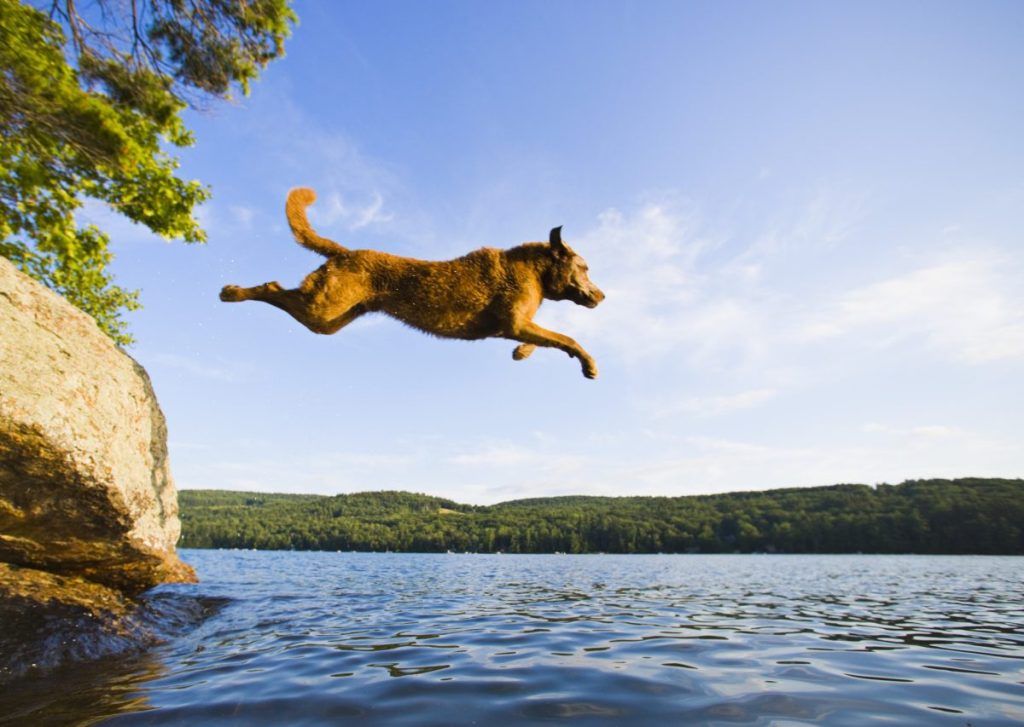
(488, 293)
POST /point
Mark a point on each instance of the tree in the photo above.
(87, 104)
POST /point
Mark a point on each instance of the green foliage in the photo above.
(918, 516)
(87, 106)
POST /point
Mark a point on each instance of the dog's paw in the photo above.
(590, 369)
(523, 350)
(230, 293)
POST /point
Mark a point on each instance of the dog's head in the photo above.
(567, 277)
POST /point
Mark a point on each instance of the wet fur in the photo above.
(488, 293)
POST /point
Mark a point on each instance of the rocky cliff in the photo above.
(88, 509)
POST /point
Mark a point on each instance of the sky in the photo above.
(808, 219)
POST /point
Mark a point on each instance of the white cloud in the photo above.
(966, 308)
(829, 219)
(249, 468)
(677, 291)
(222, 370)
(709, 406)
(487, 471)
(355, 190)
(925, 435)
(334, 210)
(935, 431)
(702, 464)
(499, 459)
(677, 285)
(659, 298)
(243, 215)
(494, 455)
(752, 324)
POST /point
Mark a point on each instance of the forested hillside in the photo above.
(918, 516)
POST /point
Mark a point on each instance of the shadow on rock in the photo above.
(88, 509)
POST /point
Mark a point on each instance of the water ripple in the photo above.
(317, 638)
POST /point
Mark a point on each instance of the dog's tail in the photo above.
(295, 208)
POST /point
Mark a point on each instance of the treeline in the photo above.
(982, 516)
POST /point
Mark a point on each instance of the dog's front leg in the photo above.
(523, 350)
(531, 334)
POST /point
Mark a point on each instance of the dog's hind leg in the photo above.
(532, 334)
(236, 293)
(293, 302)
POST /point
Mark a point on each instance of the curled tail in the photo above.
(295, 208)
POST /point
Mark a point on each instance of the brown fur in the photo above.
(487, 293)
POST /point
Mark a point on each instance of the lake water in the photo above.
(332, 638)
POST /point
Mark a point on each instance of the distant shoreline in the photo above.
(967, 516)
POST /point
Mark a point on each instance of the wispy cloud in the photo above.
(243, 215)
(680, 286)
(922, 433)
(966, 308)
(323, 472)
(709, 406)
(494, 454)
(226, 371)
(829, 218)
(356, 190)
(543, 458)
(335, 210)
(698, 464)
(677, 288)
(484, 471)
(658, 297)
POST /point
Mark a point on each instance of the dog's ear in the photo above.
(555, 240)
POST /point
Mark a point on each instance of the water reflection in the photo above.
(87, 691)
(81, 695)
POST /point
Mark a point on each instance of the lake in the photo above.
(415, 639)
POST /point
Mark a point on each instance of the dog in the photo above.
(488, 293)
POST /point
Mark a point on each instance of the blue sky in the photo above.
(808, 219)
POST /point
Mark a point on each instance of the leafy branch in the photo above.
(88, 102)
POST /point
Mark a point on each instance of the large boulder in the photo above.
(86, 493)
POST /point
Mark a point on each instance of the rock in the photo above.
(86, 493)
(50, 620)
